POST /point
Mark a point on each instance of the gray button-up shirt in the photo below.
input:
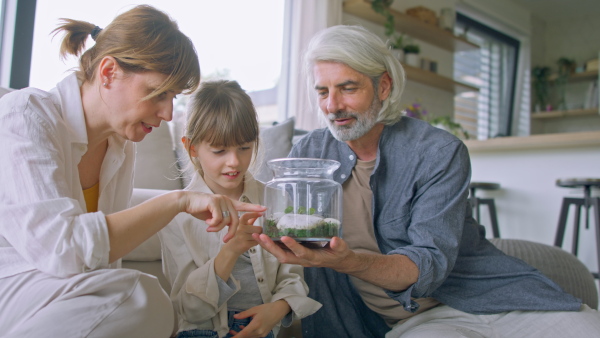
(420, 209)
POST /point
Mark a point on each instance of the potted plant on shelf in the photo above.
(417, 111)
(448, 124)
(566, 67)
(411, 54)
(383, 7)
(541, 87)
(396, 44)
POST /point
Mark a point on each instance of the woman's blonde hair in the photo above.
(223, 115)
(141, 39)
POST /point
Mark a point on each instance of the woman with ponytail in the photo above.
(67, 174)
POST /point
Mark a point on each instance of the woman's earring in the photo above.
(104, 84)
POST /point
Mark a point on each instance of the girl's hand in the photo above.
(242, 241)
(264, 318)
(216, 210)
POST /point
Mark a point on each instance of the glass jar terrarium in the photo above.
(303, 201)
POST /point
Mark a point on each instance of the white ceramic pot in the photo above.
(398, 54)
(412, 59)
(447, 19)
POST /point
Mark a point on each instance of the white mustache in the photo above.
(340, 115)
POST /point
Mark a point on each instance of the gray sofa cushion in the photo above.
(156, 165)
(561, 266)
(276, 142)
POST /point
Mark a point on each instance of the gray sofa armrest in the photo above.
(150, 249)
(147, 257)
(561, 266)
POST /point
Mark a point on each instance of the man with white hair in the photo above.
(413, 262)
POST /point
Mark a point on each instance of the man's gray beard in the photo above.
(363, 122)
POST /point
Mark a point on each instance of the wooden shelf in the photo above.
(436, 80)
(565, 113)
(545, 141)
(423, 31)
(576, 77)
(411, 26)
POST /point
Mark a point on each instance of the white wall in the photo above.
(529, 201)
(573, 38)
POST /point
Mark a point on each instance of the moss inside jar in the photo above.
(303, 201)
(301, 226)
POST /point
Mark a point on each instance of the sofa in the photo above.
(160, 156)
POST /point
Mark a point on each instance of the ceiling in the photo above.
(558, 10)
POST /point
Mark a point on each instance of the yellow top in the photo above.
(91, 196)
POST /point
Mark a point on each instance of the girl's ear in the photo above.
(189, 147)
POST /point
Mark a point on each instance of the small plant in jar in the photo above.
(303, 201)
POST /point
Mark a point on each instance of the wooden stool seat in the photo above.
(484, 185)
(476, 202)
(578, 182)
(587, 202)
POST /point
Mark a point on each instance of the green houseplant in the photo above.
(566, 67)
(383, 7)
(447, 123)
(541, 87)
(417, 111)
(412, 48)
(411, 54)
(396, 42)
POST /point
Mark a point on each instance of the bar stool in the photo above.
(476, 202)
(586, 202)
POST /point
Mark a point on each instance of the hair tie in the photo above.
(95, 32)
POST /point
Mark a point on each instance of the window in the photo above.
(17, 33)
(237, 39)
(2, 11)
(493, 68)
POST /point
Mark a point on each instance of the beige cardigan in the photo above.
(188, 262)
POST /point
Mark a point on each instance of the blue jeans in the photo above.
(344, 313)
(234, 324)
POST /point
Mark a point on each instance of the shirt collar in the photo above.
(251, 194)
(68, 93)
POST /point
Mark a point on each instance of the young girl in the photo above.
(219, 289)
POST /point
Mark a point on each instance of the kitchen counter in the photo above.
(543, 141)
(528, 202)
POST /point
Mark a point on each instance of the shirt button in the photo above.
(252, 250)
(260, 279)
(343, 176)
(351, 157)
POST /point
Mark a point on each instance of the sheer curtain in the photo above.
(303, 18)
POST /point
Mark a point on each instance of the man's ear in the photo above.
(385, 86)
(107, 70)
(189, 147)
